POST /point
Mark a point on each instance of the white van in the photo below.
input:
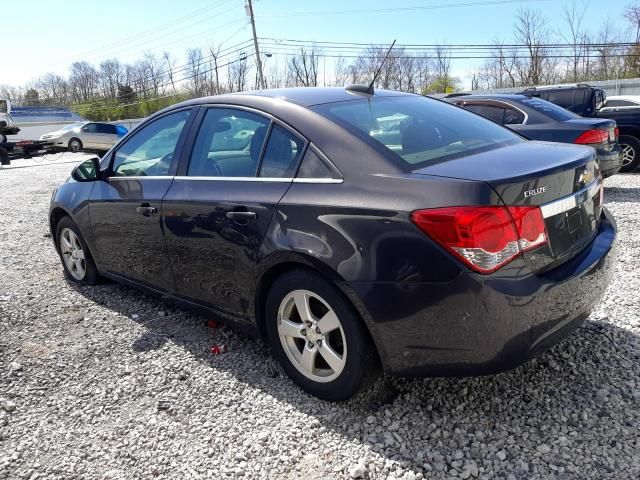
(7, 124)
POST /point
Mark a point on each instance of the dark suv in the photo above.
(587, 101)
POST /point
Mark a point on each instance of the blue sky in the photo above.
(95, 30)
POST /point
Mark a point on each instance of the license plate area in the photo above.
(571, 221)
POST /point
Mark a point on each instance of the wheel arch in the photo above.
(303, 262)
(56, 214)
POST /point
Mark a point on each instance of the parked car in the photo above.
(7, 124)
(538, 119)
(436, 244)
(621, 102)
(91, 136)
(588, 101)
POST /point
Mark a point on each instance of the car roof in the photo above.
(491, 96)
(303, 96)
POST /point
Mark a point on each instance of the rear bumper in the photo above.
(475, 325)
(610, 161)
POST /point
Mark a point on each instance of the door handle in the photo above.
(239, 215)
(146, 209)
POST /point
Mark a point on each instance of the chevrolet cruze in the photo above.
(355, 231)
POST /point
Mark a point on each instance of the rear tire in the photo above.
(74, 145)
(77, 261)
(3, 138)
(317, 337)
(630, 153)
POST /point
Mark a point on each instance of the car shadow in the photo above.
(513, 412)
(622, 194)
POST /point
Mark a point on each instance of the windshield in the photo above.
(418, 130)
(549, 109)
(71, 127)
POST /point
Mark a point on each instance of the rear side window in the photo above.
(313, 166)
(106, 128)
(281, 155)
(549, 109)
(488, 111)
(418, 131)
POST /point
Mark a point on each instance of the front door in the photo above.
(217, 212)
(126, 210)
(89, 136)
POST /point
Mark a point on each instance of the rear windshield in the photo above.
(417, 130)
(549, 109)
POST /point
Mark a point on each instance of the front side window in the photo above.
(149, 151)
(281, 155)
(423, 131)
(229, 144)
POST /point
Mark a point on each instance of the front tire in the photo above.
(74, 145)
(317, 337)
(630, 153)
(77, 261)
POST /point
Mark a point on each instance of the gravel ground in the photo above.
(105, 382)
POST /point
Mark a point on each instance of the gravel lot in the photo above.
(105, 382)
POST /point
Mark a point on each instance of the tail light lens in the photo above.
(616, 132)
(593, 137)
(484, 238)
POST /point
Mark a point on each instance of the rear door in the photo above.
(125, 210)
(107, 134)
(220, 205)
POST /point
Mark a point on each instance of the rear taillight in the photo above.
(592, 137)
(616, 132)
(484, 238)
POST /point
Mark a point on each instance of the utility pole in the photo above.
(249, 8)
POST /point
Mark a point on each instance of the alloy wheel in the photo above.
(312, 336)
(74, 145)
(73, 254)
(628, 154)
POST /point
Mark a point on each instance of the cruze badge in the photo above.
(585, 177)
(535, 191)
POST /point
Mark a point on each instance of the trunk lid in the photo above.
(564, 180)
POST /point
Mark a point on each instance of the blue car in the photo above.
(355, 231)
(538, 119)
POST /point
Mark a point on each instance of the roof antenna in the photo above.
(368, 89)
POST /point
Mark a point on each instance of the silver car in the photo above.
(85, 136)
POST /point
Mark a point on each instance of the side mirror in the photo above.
(87, 171)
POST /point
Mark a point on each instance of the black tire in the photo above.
(361, 363)
(629, 142)
(91, 276)
(4, 157)
(74, 145)
(3, 138)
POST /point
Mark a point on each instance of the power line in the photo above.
(142, 35)
(399, 9)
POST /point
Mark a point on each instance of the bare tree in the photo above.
(302, 69)
(573, 16)
(531, 30)
(169, 65)
(632, 14)
(83, 80)
(237, 74)
(111, 75)
(196, 72)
